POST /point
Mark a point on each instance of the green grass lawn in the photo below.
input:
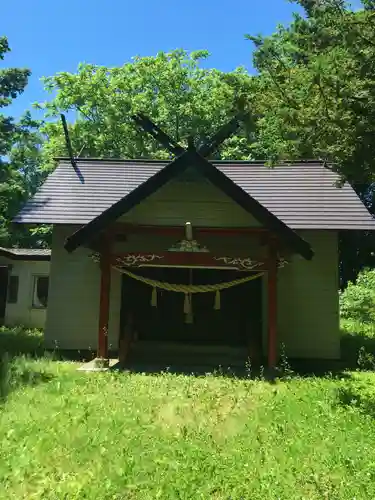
(71, 435)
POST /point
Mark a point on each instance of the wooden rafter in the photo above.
(221, 135)
(272, 303)
(164, 139)
(205, 150)
(68, 143)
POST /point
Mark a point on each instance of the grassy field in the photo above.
(71, 435)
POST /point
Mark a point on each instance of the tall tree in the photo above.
(172, 88)
(19, 154)
(316, 90)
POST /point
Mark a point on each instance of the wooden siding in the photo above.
(308, 301)
(4, 261)
(73, 309)
(198, 202)
(308, 309)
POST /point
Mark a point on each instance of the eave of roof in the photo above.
(218, 178)
(302, 194)
(27, 254)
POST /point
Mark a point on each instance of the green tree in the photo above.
(316, 96)
(357, 301)
(172, 88)
(19, 155)
(317, 88)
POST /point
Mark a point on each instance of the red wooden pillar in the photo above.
(272, 304)
(105, 286)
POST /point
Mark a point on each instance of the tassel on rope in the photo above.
(217, 304)
(188, 309)
(189, 319)
(154, 297)
(186, 303)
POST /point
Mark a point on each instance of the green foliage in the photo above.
(358, 344)
(316, 88)
(12, 81)
(19, 155)
(172, 88)
(20, 373)
(366, 360)
(357, 309)
(358, 328)
(18, 341)
(183, 98)
(21, 344)
(357, 301)
(358, 393)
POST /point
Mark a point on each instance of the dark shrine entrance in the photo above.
(238, 321)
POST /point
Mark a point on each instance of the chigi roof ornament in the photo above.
(197, 157)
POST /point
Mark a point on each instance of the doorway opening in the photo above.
(237, 323)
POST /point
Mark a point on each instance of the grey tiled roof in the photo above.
(26, 253)
(303, 195)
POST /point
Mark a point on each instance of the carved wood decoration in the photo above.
(187, 259)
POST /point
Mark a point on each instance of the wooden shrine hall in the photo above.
(194, 254)
(180, 282)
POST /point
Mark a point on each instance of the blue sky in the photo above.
(54, 36)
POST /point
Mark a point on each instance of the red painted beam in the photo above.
(105, 285)
(189, 259)
(272, 305)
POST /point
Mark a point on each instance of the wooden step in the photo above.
(179, 347)
(175, 354)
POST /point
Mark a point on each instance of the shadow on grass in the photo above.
(179, 369)
(18, 341)
(359, 396)
(296, 368)
(350, 398)
(357, 353)
(18, 348)
(18, 372)
(351, 346)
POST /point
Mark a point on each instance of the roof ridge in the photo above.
(151, 161)
(112, 160)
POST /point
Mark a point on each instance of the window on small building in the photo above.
(40, 291)
(13, 283)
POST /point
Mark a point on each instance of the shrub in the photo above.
(357, 301)
(358, 393)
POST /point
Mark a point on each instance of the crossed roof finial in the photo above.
(204, 150)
